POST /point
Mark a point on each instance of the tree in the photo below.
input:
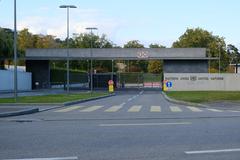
(25, 40)
(133, 44)
(234, 55)
(6, 45)
(155, 66)
(155, 45)
(199, 38)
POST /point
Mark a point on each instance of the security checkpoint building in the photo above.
(176, 60)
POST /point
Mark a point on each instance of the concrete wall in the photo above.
(40, 70)
(203, 82)
(117, 53)
(7, 80)
(185, 66)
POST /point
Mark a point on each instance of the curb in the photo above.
(60, 105)
(18, 113)
(183, 102)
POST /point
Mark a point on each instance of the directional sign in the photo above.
(169, 84)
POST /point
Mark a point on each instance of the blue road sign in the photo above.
(169, 84)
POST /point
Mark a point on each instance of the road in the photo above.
(132, 125)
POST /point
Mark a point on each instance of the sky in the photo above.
(149, 21)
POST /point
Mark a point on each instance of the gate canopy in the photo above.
(118, 54)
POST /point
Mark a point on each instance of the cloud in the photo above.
(79, 20)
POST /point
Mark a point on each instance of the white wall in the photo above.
(7, 80)
(203, 82)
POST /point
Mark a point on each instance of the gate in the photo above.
(139, 80)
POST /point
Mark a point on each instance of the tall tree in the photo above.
(200, 38)
(6, 45)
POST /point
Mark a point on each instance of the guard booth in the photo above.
(175, 60)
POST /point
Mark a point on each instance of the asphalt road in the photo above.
(133, 125)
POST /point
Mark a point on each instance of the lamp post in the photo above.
(219, 59)
(67, 7)
(15, 51)
(91, 50)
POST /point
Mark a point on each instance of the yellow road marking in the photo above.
(113, 109)
(92, 108)
(68, 109)
(214, 110)
(194, 109)
(175, 109)
(135, 109)
(155, 109)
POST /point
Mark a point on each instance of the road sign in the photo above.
(169, 84)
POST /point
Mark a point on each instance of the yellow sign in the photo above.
(111, 88)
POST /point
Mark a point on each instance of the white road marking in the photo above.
(69, 109)
(155, 109)
(194, 109)
(213, 151)
(135, 109)
(123, 104)
(113, 109)
(214, 110)
(144, 124)
(129, 99)
(141, 92)
(55, 158)
(90, 109)
(175, 109)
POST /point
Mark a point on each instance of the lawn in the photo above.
(59, 98)
(204, 96)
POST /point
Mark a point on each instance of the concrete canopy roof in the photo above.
(118, 54)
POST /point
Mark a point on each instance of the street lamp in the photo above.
(219, 59)
(91, 50)
(15, 51)
(67, 7)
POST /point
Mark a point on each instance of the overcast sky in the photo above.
(150, 21)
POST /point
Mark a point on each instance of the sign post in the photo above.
(110, 86)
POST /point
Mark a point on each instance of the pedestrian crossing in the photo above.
(138, 108)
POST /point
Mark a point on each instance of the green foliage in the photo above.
(133, 44)
(6, 45)
(155, 66)
(199, 38)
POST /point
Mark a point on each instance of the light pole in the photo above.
(67, 7)
(15, 51)
(219, 59)
(91, 50)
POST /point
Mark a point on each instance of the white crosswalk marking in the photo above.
(175, 109)
(214, 110)
(155, 109)
(68, 109)
(92, 108)
(135, 109)
(113, 109)
(194, 109)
